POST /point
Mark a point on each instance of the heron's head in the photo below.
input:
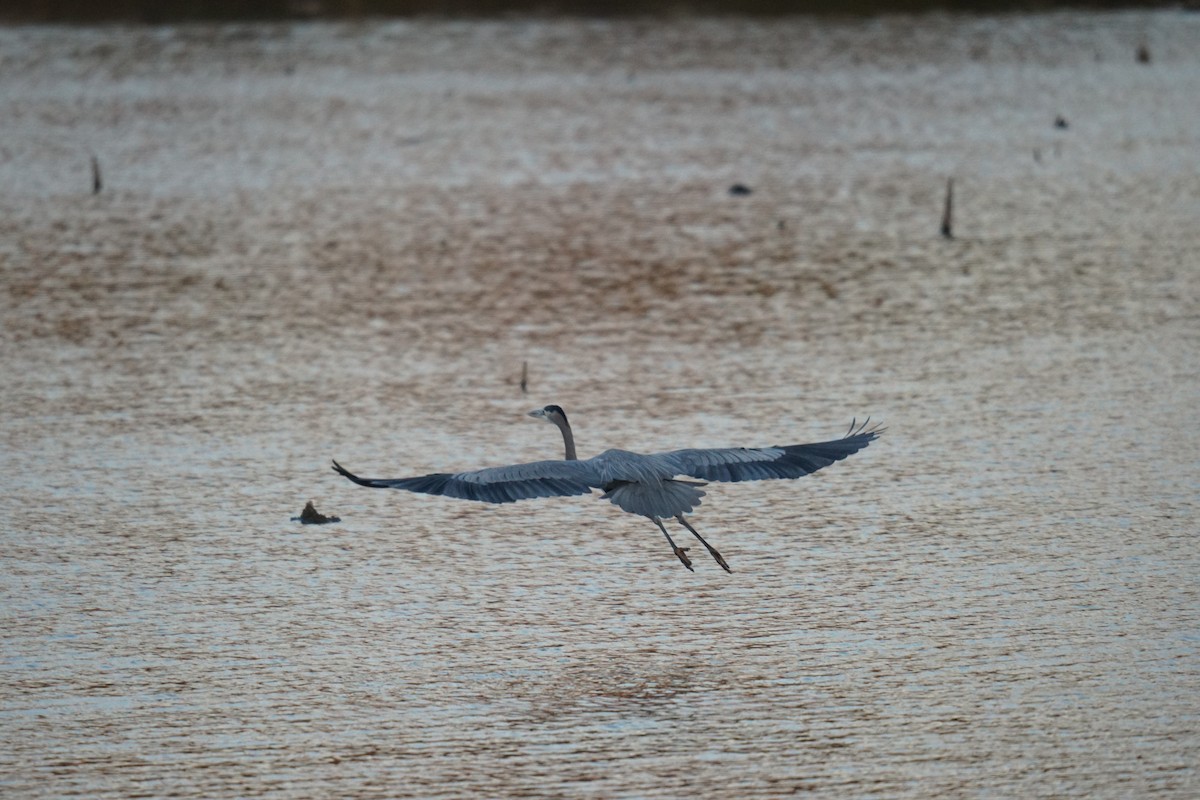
(550, 414)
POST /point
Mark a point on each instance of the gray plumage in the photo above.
(647, 485)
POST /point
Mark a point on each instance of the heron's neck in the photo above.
(568, 438)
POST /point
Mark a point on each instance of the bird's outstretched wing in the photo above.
(765, 463)
(495, 484)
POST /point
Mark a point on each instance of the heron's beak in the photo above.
(538, 412)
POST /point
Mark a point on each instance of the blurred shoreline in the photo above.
(154, 13)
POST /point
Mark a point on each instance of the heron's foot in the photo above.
(682, 553)
(712, 551)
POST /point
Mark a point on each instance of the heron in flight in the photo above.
(647, 485)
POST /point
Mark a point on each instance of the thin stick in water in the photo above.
(948, 214)
(97, 181)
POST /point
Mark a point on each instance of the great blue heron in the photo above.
(637, 483)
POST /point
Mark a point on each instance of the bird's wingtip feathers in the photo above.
(345, 473)
(865, 428)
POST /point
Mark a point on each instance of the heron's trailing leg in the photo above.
(711, 550)
(679, 551)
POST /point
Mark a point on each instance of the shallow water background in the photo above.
(343, 240)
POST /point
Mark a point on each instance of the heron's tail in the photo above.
(656, 500)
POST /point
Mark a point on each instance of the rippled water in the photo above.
(344, 240)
